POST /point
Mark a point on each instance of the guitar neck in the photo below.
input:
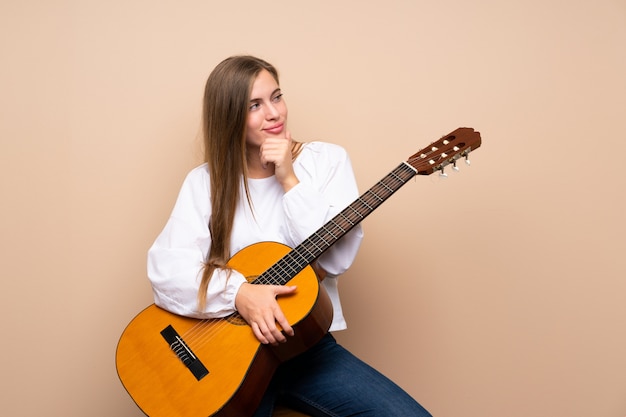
(316, 244)
(434, 157)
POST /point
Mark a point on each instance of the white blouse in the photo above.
(175, 260)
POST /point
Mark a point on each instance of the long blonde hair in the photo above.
(225, 111)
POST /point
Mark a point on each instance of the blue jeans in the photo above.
(329, 381)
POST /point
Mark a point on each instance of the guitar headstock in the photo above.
(445, 151)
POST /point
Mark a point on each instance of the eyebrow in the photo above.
(271, 95)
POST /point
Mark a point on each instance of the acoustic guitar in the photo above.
(174, 366)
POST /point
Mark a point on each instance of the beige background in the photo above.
(497, 292)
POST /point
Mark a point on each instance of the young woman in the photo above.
(258, 184)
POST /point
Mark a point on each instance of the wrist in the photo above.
(289, 183)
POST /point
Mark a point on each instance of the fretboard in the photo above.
(316, 244)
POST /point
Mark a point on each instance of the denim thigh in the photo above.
(329, 381)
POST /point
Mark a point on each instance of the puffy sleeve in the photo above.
(176, 259)
(327, 186)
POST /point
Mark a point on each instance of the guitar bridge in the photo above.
(184, 353)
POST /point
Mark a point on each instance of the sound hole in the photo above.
(236, 319)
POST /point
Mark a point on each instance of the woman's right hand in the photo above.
(277, 151)
(257, 305)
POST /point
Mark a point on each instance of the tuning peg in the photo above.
(454, 167)
(467, 161)
(442, 174)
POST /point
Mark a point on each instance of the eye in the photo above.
(254, 106)
(278, 97)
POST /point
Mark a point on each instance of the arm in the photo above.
(176, 259)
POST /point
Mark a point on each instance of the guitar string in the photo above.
(205, 329)
(282, 269)
(368, 201)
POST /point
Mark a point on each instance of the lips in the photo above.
(275, 130)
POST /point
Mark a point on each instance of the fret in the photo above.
(332, 235)
(393, 174)
(385, 185)
(320, 249)
(367, 205)
(377, 196)
(346, 218)
(304, 247)
(351, 207)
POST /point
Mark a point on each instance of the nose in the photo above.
(271, 112)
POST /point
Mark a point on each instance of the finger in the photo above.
(278, 336)
(280, 316)
(284, 324)
(268, 153)
(258, 333)
(263, 157)
(284, 289)
(271, 332)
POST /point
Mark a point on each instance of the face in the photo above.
(267, 111)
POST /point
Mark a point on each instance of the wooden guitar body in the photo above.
(239, 367)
